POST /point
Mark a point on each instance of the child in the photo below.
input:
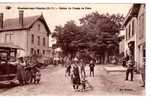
(83, 83)
(35, 74)
(37, 77)
(92, 65)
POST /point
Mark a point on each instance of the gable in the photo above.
(39, 27)
(43, 25)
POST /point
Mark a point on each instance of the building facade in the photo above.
(135, 33)
(30, 33)
(141, 48)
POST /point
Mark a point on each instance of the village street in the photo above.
(54, 83)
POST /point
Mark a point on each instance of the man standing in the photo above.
(130, 67)
(142, 70)
(92, 65)
(82, 68)
(68, 66)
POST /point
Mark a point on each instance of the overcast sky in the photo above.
(56, 16)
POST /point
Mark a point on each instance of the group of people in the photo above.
(129, 63)
(26, 73)
(75, 68)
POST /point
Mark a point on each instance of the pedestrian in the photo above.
(83, 83)
(36, 75)
(75, 76)
(34, 72)
(82, 65)
(124, 62)
(21, 71)
(130, 67)
(68, 66)
(92, 65)
(113, 60)
(142, 70)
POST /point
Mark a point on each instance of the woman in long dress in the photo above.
(21, 71)
(75, 76)
(82, 66)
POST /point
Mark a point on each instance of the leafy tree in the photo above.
(97, 33)
(103, 29)
(67, 37)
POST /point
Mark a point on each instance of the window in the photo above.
(129, 33)
(133, 27)
(141, 27)
(38, 40)
(9, 37)
(35, 52)
(126, 33)
(44, 43)
(43, 52)
(32, 39)
(38, 51)
(144, 52)
(38, 27)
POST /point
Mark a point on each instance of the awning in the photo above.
(10, 45)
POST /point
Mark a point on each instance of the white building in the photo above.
(135, 32)
(30, 33)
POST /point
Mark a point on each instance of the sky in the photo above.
(59, 14)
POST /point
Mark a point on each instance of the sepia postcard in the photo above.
(49, 49)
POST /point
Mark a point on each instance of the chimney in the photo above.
(1, 20)
(21, 18)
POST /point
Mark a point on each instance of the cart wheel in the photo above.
(28, 77)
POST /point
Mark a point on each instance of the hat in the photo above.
(75, 59)
(91, 61)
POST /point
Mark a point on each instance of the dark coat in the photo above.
(20, 72)
(91, 65)
(75, 76)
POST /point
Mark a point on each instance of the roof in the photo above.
(133, 12)
(13, 23)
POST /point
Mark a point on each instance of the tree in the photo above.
(67, 37)
(97, 33)
(103, 29)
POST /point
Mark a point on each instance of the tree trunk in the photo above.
(103, 59)
(100, 59)
(106, 57)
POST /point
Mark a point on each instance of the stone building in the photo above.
(30, 33)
